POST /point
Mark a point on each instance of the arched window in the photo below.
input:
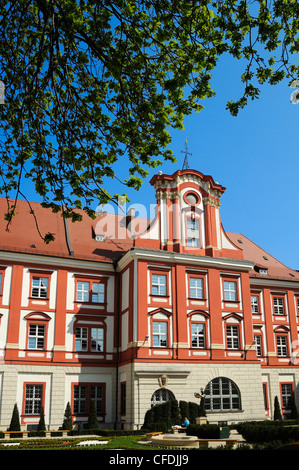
(161, 396)
(222, 394)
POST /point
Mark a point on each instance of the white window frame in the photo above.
(97, 339)
(278, 303)
(282, 346)
(233, 337)
(82, 292)
(33, 399)
(258, 345)
(230, 291)
(39, 288)
(81, 338)
(159, 286)
(254, 304)
(198, 339)
(36, 336)
(160, 334)
(196, 290)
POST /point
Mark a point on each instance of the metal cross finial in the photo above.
(186, 163)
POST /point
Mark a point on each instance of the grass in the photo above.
(117, 442)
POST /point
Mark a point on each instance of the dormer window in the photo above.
(263, 271)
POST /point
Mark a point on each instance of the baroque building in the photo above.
(131, 312)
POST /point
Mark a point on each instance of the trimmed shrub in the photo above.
(268, 432)
(204, 431)
(67, 422)
(15, 420)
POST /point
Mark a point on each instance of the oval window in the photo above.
(192, 198)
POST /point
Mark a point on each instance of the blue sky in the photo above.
(253, 155)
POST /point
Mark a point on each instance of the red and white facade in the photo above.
(131, 317)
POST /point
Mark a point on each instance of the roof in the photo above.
(262, 259)
(22, 236)
(31, 222)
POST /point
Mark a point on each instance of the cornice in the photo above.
(183, 258)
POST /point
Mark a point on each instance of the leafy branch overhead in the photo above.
(90, 84)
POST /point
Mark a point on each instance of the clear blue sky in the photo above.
(254, 155)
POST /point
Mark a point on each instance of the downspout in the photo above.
(67, 232)
(117, 342)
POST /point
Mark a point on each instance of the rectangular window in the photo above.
(98, 292)
(36, 337)
(196, 288)
(97, 395)
(232, 336)
(33, 399)
(265, 393)
(82, 291)
(282, 347)
(198, 335)
(83, 395)
(230, 291)
(286, 394)
(159, 284)
(80, 399)
(123, 398)
(159, 334)
(90, 291)
(278, 306)
(192, 232)
(258, 345)
(97, 339)
(81, 339)
(192, 224)
(255, 304)
(39, 287)
(194, 242)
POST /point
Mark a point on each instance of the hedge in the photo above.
(254, 432)
(204, 431)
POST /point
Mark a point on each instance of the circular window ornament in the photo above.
(192, 198)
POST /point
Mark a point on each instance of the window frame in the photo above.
(37, 319)
(28, 413)
(123, 398)
(257, 304)
(231, 337)
(87, 386)
(193, 236)
(40, 276)
(259, 346)
(2, 277)
(84, 325)
(160, 333)
(282, 347)
(196, 323)
(231, 279)
(212, 398)
(158, 285)
(281, 307)
(90, 280)
(196, 277)
(286, 396)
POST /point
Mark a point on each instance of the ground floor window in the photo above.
(84, 394)
(222, 394)
(161, 396)
(33, 399)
